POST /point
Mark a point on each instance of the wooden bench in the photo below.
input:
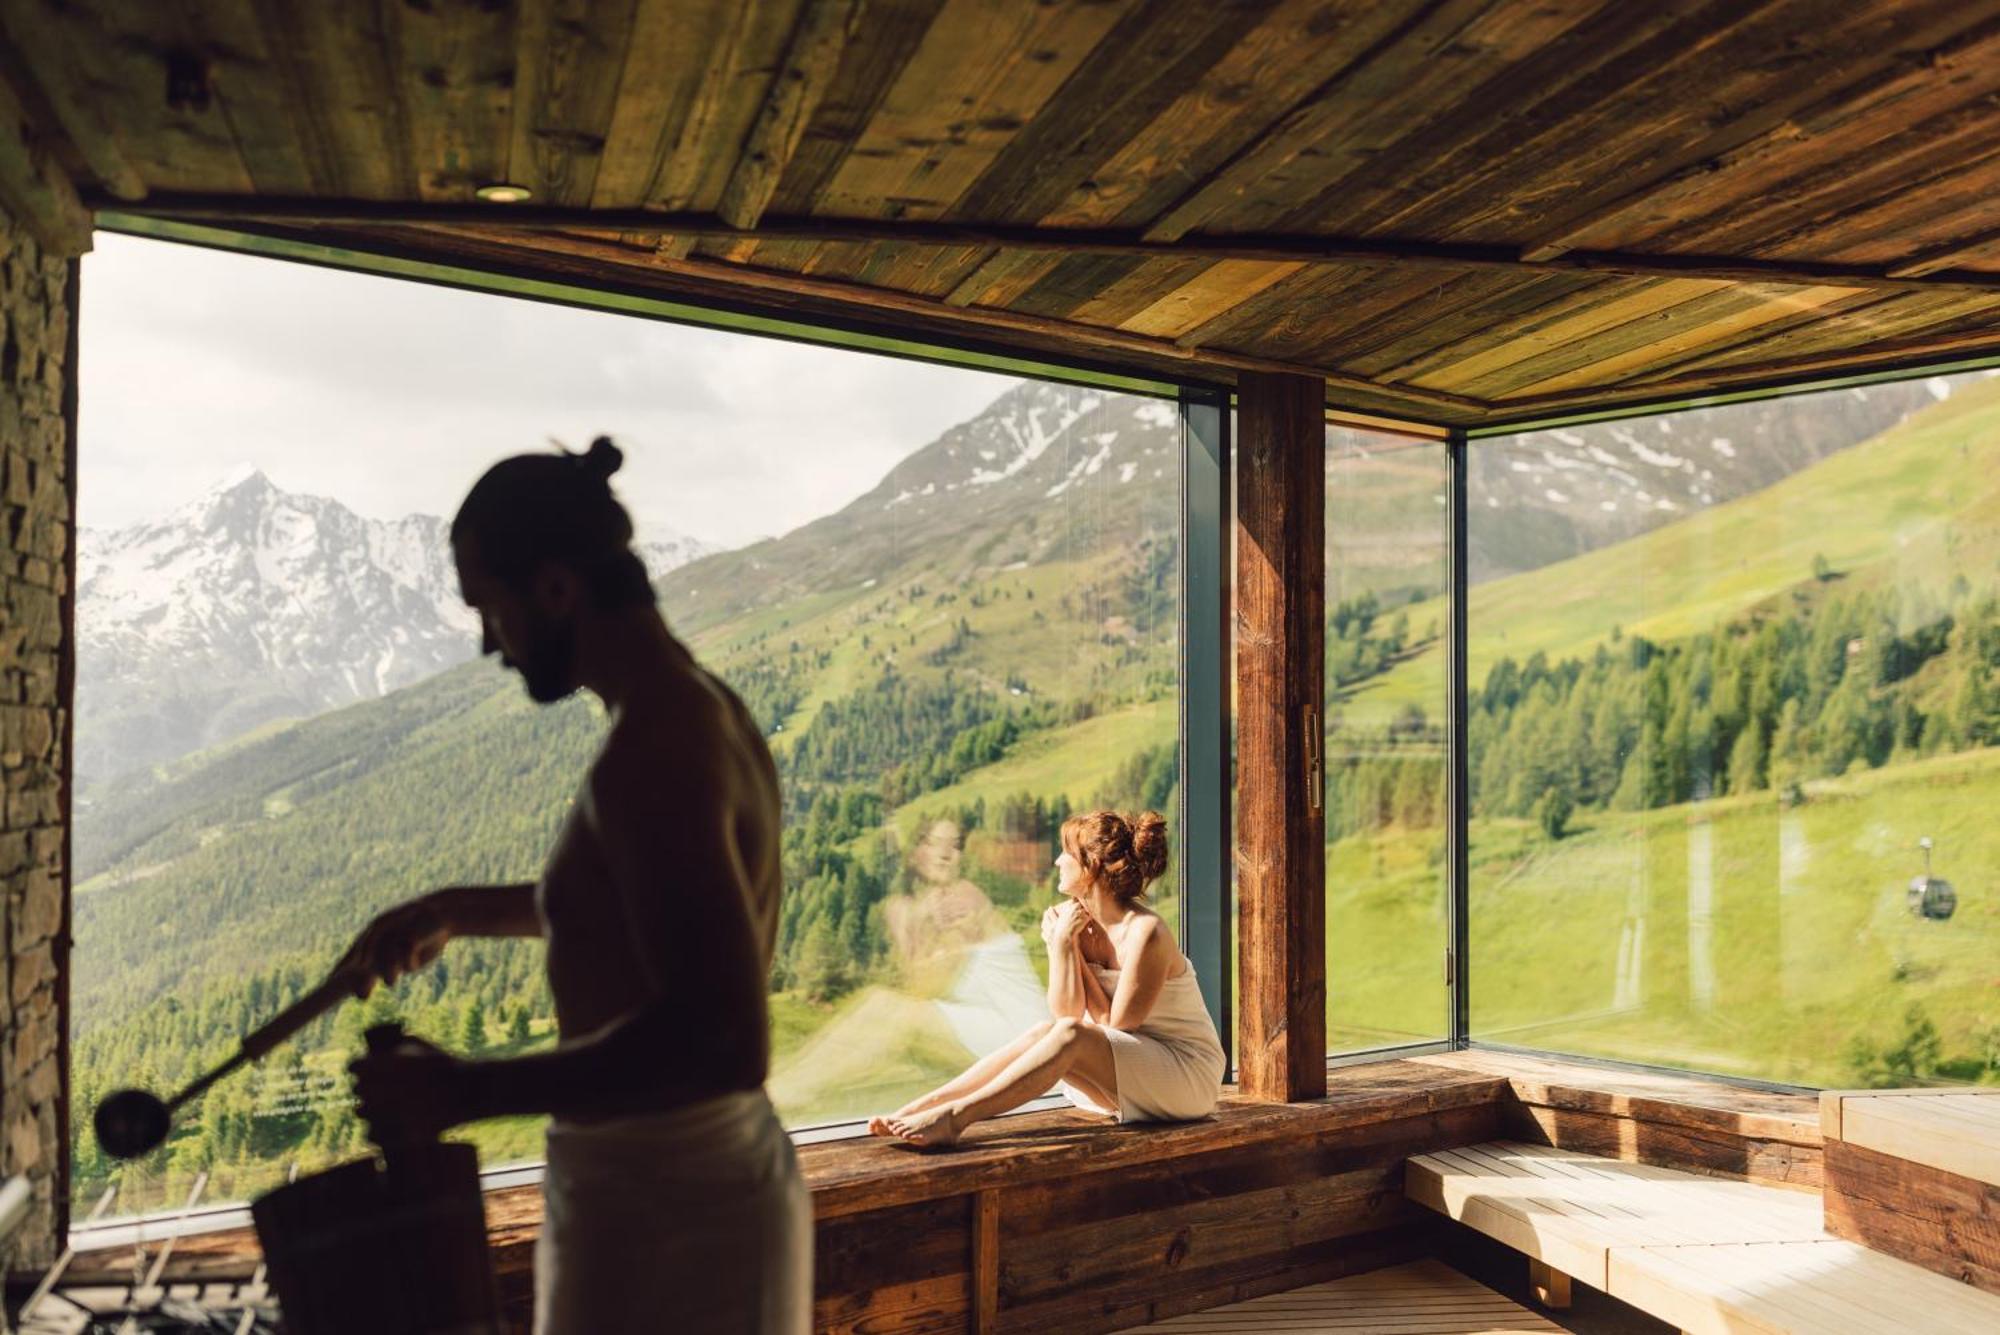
(1421, 1298)
(1053, 1221)
(1060, 1222)
(1711, 1256)
(1916, 1173)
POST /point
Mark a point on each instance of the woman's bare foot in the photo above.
(881, 1126)
(932, 1129)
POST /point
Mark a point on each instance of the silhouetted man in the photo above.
(673, 1198)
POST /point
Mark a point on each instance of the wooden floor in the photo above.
(1422, 1298)
(1701, 1253)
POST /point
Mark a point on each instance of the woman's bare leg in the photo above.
(965, 1082)
(1067, 1047)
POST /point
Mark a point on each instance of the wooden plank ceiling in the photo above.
(1453, 210)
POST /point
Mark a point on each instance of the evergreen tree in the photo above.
(1746, 760)
(472, 1035)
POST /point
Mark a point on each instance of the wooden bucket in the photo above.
(396, 1249)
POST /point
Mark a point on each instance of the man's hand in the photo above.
(402, 940)
(411, 1092)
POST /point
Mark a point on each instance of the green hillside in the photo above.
(1916, 503)
(1813, 964)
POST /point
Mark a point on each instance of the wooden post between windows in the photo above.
(1281, 822)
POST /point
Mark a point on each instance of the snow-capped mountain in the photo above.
(1044, 470)
(1543, 496)
(1037, 440)
(250, 604)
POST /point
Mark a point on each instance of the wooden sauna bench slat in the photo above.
(1952, 1130)
(1678, 1121)
(1690, 1102)
(1421, 1298)
(1713, 1257)
(1915, 1173)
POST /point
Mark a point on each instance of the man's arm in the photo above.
(408, 937)
(490, 910)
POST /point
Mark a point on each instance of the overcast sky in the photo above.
(392, 396)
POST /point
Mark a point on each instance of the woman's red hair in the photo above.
(1124, 856)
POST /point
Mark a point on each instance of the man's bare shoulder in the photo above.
(681, 750)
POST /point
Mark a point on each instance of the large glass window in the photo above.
(1387, 591)
(1732, 736)
(950, 597)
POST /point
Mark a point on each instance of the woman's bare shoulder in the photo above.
(1143, 934)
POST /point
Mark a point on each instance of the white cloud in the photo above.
(392, 396)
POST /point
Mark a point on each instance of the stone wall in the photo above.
(37, 412)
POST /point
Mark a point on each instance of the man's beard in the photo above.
(548, 667)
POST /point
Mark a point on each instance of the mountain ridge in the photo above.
(250, 604)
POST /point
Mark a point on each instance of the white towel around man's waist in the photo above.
(692, 1220)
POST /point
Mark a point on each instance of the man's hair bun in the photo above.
(602, 459)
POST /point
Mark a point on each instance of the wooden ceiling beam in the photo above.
(33, 188)
(818, 41)
(888, 301)
(1279, 248)
(27, 26)
(1944, 257)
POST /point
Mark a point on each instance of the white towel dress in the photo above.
(1170, 1068)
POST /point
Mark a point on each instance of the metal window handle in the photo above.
(1315, 761)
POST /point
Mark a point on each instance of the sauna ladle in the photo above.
(132, 1122)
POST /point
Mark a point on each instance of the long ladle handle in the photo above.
(339, 986)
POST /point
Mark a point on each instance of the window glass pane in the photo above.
(1386, 713)
(951, 598)
(1732, 736)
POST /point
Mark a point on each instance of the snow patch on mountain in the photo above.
(250, 604)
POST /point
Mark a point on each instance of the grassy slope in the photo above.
(1811, 944)
(1078, 760)
(1913, 502)
(1385, 940)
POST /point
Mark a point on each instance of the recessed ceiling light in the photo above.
(503, 192)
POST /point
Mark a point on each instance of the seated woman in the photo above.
(1130, 1037)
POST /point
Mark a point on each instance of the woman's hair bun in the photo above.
(602, 458)
(1149, 844)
